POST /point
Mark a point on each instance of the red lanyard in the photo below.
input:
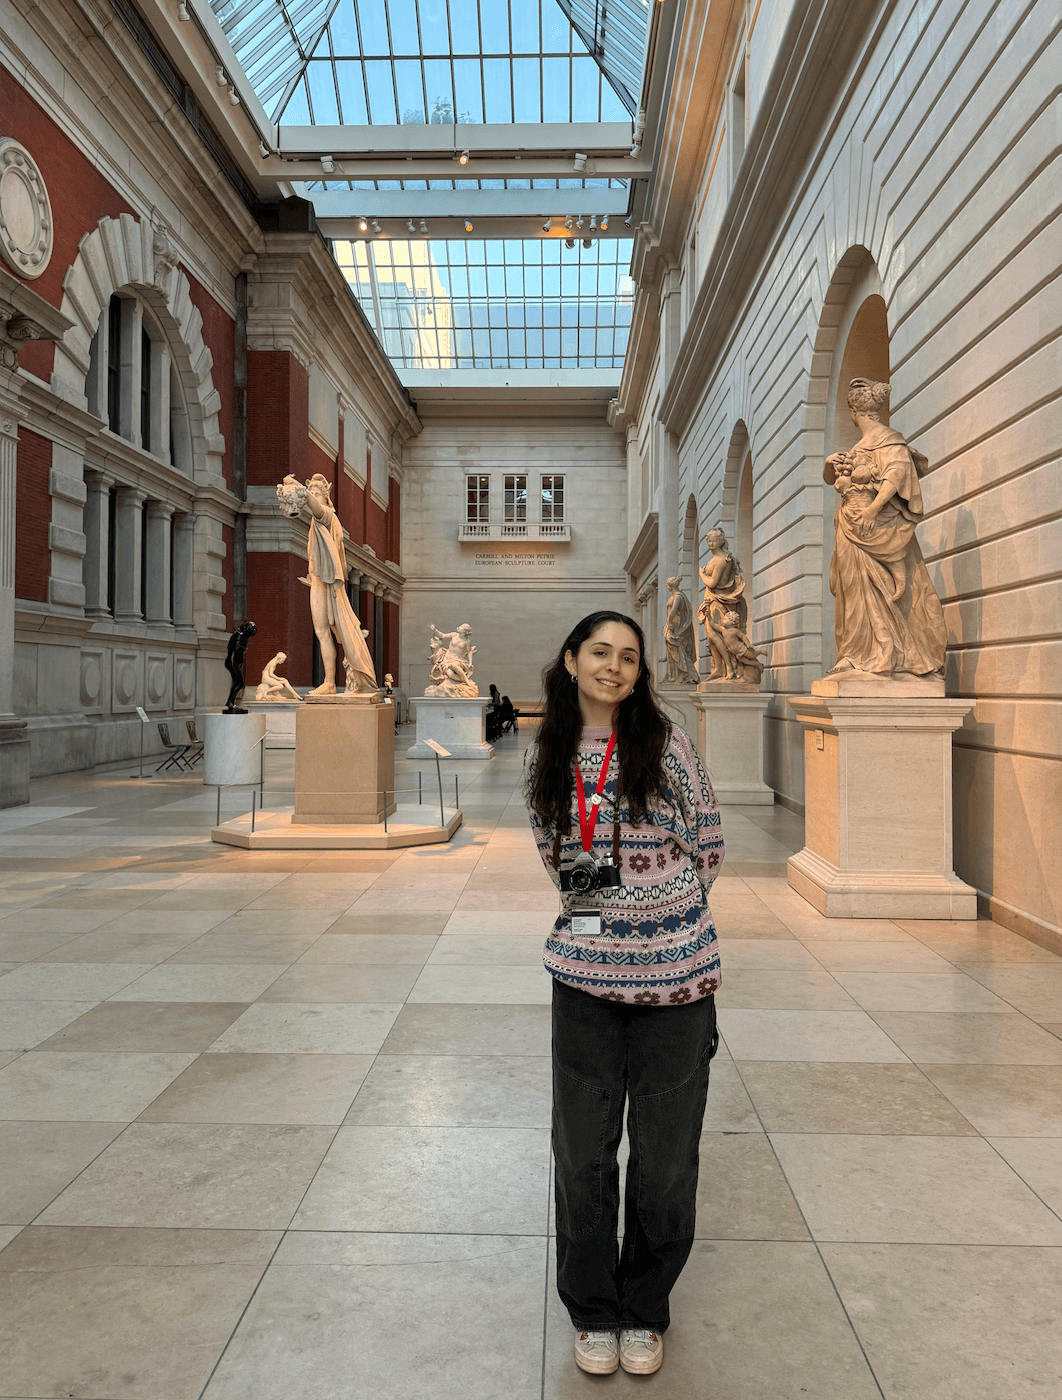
(588, 823)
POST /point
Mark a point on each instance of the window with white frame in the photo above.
(552, 500)
(478, 503)
(515, 499)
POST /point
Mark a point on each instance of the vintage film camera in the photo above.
(585, 874)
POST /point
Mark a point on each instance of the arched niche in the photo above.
(852, 342)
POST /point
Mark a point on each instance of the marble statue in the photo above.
(888, 617)
(451, 663)
(724, 613)
(334, 620)
(274, 687)
(679, 637)
(235, 661)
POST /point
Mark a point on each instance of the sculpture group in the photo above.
(450, 654)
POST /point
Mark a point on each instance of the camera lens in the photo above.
(582, 878)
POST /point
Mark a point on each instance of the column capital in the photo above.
(157, 509)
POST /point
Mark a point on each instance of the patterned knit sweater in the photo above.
(657, 944)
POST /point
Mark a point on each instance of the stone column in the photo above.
(97, 540)
(183, 563)
(158, 563)
(128, 526)
(14, 745)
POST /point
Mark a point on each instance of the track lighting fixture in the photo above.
(468, 225)
(327, 164)
(593, 223)
(263, 150)
(462, 159)
(604, 222)
(588, 242)
(182, 11)
(234, 96)
(627, 223)
(547, 226)
(411, 226)
(569, 243)
(580, 160)
(363, 224)
(569, 221)
(579, 221)
(423, 225)
(220, 76)
(376, 226)
(636, 149)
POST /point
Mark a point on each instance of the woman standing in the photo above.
(628, 828)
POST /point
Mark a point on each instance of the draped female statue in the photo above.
(888, 617)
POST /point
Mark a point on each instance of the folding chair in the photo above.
(176, 752)
(195, 748)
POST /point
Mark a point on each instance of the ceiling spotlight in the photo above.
(580, 160)
(220, 76)
(411, 226)
(363, 224)
(234, 96)
(468, 225)
(462, 159)
(376, 226)
(569, 221)
(547, 226)
(182, 11)
(593, 223)
(604, 222)
(263, 150)
(327, 164)
(627, 223)
(569, 243)
(579, 221)
(636, 149)
(423, 225)
(588, 242)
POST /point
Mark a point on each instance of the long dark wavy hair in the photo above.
(642, 734)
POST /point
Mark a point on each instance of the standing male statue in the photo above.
(334, 620)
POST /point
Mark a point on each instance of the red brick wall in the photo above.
(353, 512)
(80, 197)
(278, 418)
(281, 611)
(33, 515)
(319, 462)
(376, 527)
(219, 332)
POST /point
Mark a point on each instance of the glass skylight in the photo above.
(614, 32)
(495, 303)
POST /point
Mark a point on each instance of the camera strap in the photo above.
(588, 820)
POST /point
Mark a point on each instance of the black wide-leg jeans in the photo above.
(657, 1059)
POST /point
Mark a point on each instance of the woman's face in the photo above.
(606, 670)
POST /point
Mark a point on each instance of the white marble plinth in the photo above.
(280, 720)
(878, 818)
(232, 749)
(730, 743)
(275, 830)
(679, 706)
(460, 726)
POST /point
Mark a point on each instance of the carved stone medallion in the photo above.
(26, 233)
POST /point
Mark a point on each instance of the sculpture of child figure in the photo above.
(274, 687)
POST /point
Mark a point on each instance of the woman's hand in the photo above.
(866, 524)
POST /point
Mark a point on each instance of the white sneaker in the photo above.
(641, 1352)
(597, 1352)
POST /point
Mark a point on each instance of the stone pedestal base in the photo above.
(344, 763)
(232, 753)
(679, 706)
(460, 726)
(14, 762)
(280, 720)
(730, 742)
(878, 821)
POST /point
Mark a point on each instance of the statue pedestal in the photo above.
(232, 752)
(344, 762)
(280, 720)
(459, 725)
(878, 823)
(730, 742)
(678, 700)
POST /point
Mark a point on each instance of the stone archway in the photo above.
(127, 252)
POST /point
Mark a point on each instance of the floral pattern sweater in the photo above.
(657, 945)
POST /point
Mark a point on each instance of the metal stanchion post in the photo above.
(420, 788)
(218, 822)
(254, 804)
(385, 811)
(456, 802)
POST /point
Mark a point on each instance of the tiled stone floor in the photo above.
(275, 1126)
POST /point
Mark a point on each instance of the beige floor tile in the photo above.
(210, 982)
(1004, 1100)
(146, 1026)
(882, 956)
(232, 948)
(911, 1190)
(1055, 1027)
(741, 1192)
(472, 923)
(790, 990)
(412, 899)
(383, 1306)
(847, 1036)
(219, 900)
(8, 1056)
(24, 1024)
(8, 1233)
(351, 949)
(38, 1160)
(139, 879)
(196, 1175)
(919, 991)
(488, 949)
(485, 1091)
(749, 1321)
(764, 953)
(61, 921)
(68, 981)
(729, 1108)
(953, 1323)
(814, 927)
(745, 916)
(1036, 991)
(428, 1180)
(124, 946)
(970, 1038)
(344, 982)
(82, 1087)
(498, 985)
(420, 923)
(850, 1098)
(1038, 1161)
(261, 1089)
(301, 923)
(504, 902)
(121, 901)
(470, 1030)
(290, 1028)
(17, 946)
(142, 1314)
(162, 923)
(257, 883)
